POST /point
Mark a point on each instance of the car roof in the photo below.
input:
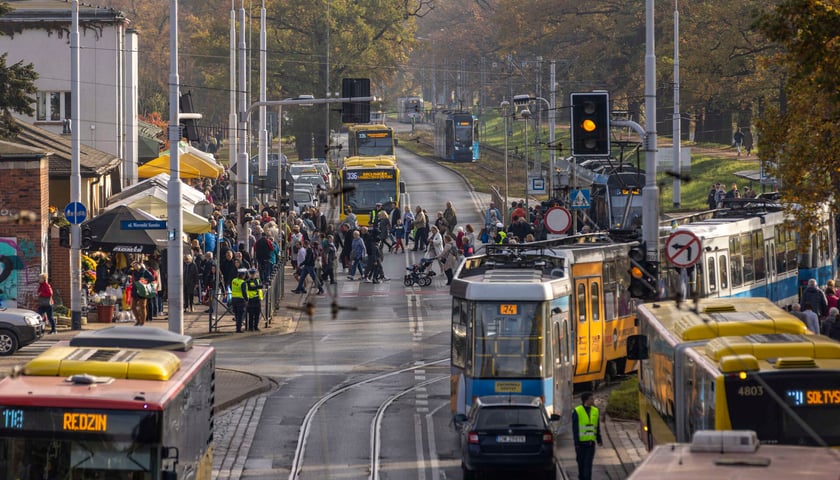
(506, 400)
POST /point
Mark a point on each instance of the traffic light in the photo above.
(355, 112)
(86, 236)
(189, 126)
(643, 275)
(590, 124)
(64, 236)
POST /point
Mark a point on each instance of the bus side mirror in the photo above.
(637, 347)
(396, 141)
(402, 187)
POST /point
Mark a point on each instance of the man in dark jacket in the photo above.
(263, 249)
(814, 296)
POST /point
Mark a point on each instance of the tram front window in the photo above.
(31, 459)
(509, 340)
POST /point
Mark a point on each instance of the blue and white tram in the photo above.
(753, 252)
(535, 319)
(456, 136)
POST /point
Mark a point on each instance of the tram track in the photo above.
(306, 425)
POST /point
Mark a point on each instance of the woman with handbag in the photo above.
(141, 291)
(45, 300)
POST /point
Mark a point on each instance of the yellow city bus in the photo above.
(742, 364)
(366, 140)
(366, 181)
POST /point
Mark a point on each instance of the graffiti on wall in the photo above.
(19, 269)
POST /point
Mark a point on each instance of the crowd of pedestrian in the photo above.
(818, 309)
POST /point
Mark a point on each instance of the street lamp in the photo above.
(504, 106)
(524, 100)
(526, 115)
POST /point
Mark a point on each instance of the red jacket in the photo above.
(45, 290)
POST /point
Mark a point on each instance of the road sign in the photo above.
(75, 213)
(557, 220)
(536, 185)
(142, 224)
(683, 249)
(579, 198)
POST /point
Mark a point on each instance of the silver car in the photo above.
(18, 328)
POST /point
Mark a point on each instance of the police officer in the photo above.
(238, 294)
(254, 293)
(586, 430)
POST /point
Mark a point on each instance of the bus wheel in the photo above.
(611, 373)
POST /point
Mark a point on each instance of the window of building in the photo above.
(52, 106)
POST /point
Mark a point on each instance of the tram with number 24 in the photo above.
(536, 318)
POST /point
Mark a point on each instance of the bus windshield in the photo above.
(374, 143)
(29, 458)
(508, 340)
(367, 193)
(810, 413)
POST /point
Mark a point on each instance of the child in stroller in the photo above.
(420, 273)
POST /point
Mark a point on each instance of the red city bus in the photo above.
(124, 403)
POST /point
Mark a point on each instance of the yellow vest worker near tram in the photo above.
(586, 430)
(238, 294)
(254, 292)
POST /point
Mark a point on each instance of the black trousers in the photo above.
(238, 305)
(585, 454)
(254, 308)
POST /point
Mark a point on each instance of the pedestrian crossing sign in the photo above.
(579, 199)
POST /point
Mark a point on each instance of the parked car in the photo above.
(18, 328)
(303, 199)
(317, 181)
(507, 433)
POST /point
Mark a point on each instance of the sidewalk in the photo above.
(232, 386)
(623, 450)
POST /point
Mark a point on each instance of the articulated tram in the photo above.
(754, 249)
(537, 318)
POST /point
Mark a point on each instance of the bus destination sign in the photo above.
(121, 424)
(363, 175)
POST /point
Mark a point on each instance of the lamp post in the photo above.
(524, 100)
(526, 115)
(504, 106)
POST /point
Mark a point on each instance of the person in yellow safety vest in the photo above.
(254, 292)
(238, 294)
(586, 431)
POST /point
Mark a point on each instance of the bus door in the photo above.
(589, 324)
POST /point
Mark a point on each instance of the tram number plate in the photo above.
(508, 387)
(510, 439)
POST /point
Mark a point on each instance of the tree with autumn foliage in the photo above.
(799, 138)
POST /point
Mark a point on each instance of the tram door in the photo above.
(716, 274)
(589, 315)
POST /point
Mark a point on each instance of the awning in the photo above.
(193, 164)
(156, 186)
(192, 223)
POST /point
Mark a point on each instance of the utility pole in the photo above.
(75, 175)
(677, 123)
(650, 193)
(174, 210)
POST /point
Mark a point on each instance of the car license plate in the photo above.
(510, 439)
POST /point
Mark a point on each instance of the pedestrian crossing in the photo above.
(32, 350)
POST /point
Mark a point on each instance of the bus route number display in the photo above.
(374, 135)
(814, 397)
(371, 175)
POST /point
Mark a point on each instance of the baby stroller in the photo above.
(420, 273)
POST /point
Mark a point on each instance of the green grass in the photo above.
(624, 401)
(710, 164)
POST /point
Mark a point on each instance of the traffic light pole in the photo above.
(75, 175)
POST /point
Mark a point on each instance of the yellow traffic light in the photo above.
(588, 125)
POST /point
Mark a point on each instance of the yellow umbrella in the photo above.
(193, 162)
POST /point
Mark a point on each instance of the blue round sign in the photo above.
(75, 213)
